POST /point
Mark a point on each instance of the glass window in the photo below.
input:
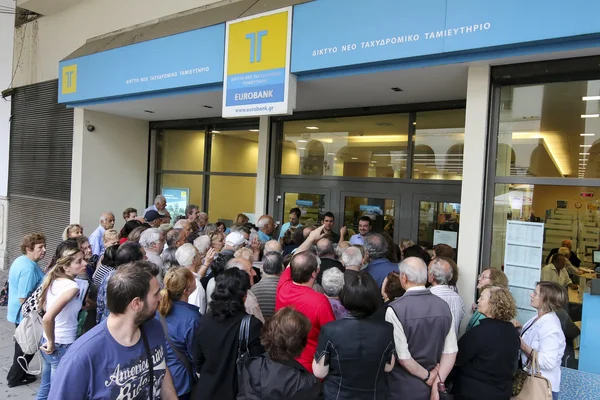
(234, 151)
(381, 212)
(190, 183)
(181, 150)
(439, 144)
(229, 196)
(550, 130)
(366, 146)
(438, 223)
(311, 205)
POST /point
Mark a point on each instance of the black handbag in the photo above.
(243, 353)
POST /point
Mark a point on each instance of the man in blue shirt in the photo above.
(266, 227)
(294, 221)
(379, 266)
(364, 227)
(125, 355)
(107, 221)
(24, 277)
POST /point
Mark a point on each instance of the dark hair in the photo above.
(231, 287)
(193, 236)
(128, 211)
(298, 236)
(296, 211)
(135, 234)
(376, 246)
(219, 223)
(393, 288)
(128, 228)
(393, 251)
(29, 241)
(179, 218)
(284, 336)
(288, 237)
(287, 259)
(129, 252)
(128, 282)
(110, 256)
(172, 237)
(328, 214)
(417, 251)
(190, 208)
(81, 240)
(443, 250)
(63, 246)
(454, 280)
(559, 258)
(272, 263)
(219, 263)
(364, 218)
(303, 265)
(360, 295)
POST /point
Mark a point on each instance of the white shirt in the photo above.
(65, 323)
(357, 239)
(198, 296)
(450, 344)
(457, 307)
(546, 336)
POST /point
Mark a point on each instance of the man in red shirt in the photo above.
(295, 289)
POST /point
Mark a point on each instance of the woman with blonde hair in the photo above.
(217, 241)
(487, 354)
(60, 301)
(72, 231)
(489, 277)
(180, 321)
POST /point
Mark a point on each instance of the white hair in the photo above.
(414, 269)
(352, 257)
(186, 254)
(181, 224)
(272, 245)
(150, 237)
(106, 214)
(332, 282)
(203, 214)
(202, 243)
(159, 199)
(263, 221)
(441, 271)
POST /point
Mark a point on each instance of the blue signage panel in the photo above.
(188, 59)
(337, 33)
(177, 200)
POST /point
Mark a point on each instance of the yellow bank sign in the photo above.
(69, 79)
(257, 77)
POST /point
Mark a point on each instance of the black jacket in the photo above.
(576, 262)
(265, 379)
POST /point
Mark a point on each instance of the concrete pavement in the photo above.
(7, 346)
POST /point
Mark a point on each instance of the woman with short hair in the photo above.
(487, 354)
(488, 277)
(543, 333)
(276, 374)
(332, 283)
(361, 345)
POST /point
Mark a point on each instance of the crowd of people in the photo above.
(187, 309)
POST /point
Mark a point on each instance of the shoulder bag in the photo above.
(184, 360)
(243, 353)
(30, 330)
(529, 384)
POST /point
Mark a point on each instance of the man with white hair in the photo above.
(107, 221)
(188, 257)
(440, 273)
(251, 302)
(273, 246)
(423, 323)
(352, 259)
(202, 221)
(266, 227)
(153, 241)
(160, 205)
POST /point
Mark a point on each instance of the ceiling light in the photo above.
(584, 154)
(254, 130)
(382, 124)
(216, 131)
(415, 170)
(374, 162)
(312, 127)
(355, 158)
(590, 98)
(301, 148)
(585, 145)
(331, 154)
(587, 134)
(590, 115)
(582, 159)
(302, 141)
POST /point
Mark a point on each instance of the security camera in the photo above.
(91, 128)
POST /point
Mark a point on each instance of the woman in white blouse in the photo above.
(544, 333)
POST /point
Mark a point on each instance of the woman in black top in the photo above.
(276, 375)
(354, 353)
(487, 354)
(216, 340)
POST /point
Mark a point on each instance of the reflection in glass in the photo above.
(550, 130)
(439, 144)
(381, 212)
(234, 151)
(366, 146)
(311, 205)
(437, 216)
(193, 183)
(181, 150)
(230, 195)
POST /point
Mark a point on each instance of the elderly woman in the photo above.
(487, 354)
(276, 374)
(217, 240)
(332, 283)
(391, 288)
(489, 277)
(544, 334)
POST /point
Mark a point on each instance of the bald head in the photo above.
(243, 265)
(414, 271)
(325, 248)
(273, 246)
(107, 220)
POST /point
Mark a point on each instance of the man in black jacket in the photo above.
(573, 257)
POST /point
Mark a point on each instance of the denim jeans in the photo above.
(49, 365)
(554, 395)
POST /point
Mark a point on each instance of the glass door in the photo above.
(436, 220)
(311, 203)
(382, 209)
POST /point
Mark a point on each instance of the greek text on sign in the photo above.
(257, 77)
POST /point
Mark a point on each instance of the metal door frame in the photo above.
(423, 196)
(397, 197)
(280, 214)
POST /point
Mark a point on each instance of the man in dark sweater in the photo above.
(572, 257)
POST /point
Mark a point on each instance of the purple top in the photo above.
(338, 309)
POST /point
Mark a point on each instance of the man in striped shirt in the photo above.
(266, 290)
(440, 273)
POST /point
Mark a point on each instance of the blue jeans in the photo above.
(554, 395)
(49, 365)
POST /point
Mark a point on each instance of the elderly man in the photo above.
(188, 257)
(153, 218)
(379, 267)
(273, 246)
(352, 259)
(266, 290)
(153, 241)
(251, 303)
(440, 275)
(422, 323)
(107, 221)
(186, 229)
(202, 221)
(160, 205)
(575, 261)
(266, 227)
(326, 254)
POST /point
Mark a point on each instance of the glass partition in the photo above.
(234, 151)
(181, 150)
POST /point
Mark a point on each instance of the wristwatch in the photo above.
(427, 377)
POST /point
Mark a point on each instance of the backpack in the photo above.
(30, 330)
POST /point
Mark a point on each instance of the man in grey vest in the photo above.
(425, 341)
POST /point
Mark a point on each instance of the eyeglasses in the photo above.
(484, 277)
